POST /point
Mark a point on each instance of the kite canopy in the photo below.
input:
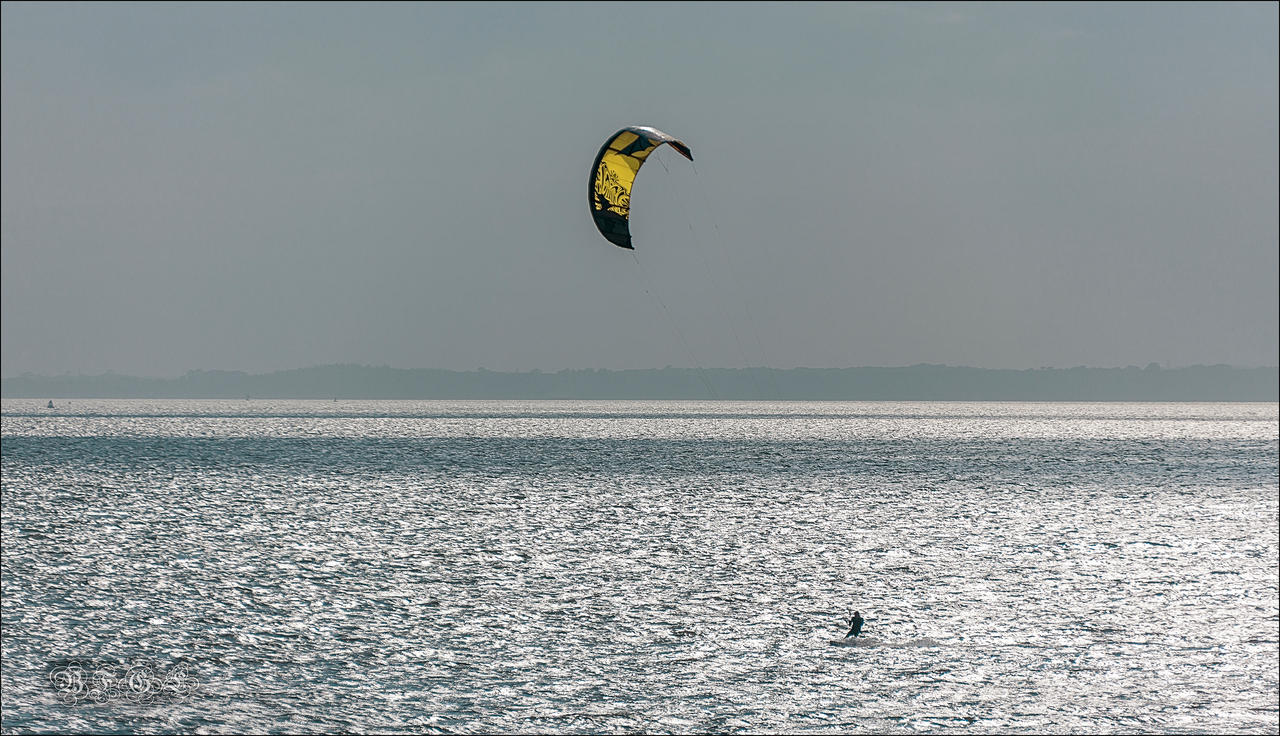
(613, 173)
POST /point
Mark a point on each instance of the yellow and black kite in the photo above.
(614, 172)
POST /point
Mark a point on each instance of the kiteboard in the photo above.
(853, 641)
(867, 642)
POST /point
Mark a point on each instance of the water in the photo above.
(671, 567)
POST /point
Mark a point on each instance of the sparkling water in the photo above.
(678, 567)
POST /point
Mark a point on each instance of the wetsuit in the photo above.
(855, 626)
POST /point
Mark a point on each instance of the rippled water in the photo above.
(646, 566)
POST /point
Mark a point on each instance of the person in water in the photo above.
(855, 625)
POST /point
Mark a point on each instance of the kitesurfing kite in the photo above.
(614, 172)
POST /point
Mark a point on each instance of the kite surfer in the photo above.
(855, 625)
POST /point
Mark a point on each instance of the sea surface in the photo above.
(664, 567)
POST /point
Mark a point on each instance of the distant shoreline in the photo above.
(909, 383)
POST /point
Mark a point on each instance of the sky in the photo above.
(260, 187)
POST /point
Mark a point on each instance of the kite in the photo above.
(613, 173)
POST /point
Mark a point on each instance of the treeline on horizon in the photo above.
(909, 383)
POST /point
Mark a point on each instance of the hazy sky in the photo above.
(260, 187)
